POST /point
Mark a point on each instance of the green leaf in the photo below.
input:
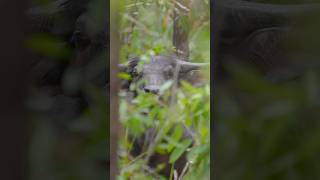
(135, 125)
(177, 134)
(197, 151)
(165, 86)
(125, 76)
(174, 156)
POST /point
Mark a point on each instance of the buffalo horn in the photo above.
(189, 66)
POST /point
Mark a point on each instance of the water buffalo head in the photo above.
(157, 70)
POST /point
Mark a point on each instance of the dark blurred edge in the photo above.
(13, 77)
(213, 56)
(114, 85)
(108, 63)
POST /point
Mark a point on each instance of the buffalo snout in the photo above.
(151, 89)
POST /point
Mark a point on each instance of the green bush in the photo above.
(190, 110)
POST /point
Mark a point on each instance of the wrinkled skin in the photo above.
(156, 73)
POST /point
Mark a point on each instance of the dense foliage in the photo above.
(146, 30)
(191, 111)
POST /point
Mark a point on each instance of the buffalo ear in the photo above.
(189, 66)
(129, 65)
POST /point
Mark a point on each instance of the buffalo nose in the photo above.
(152, 90)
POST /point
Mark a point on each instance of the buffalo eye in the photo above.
(135, 71)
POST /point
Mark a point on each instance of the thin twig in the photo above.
(151, 171)
(184, 171)
(144, 167)
(175, 175)
(141, 26)
(133, 159)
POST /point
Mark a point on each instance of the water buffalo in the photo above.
(153, 73)
(159, 69)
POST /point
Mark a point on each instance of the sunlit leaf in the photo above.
(125, 76)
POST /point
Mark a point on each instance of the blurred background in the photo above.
(266, 126)
(266, 107)
(67, 101)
